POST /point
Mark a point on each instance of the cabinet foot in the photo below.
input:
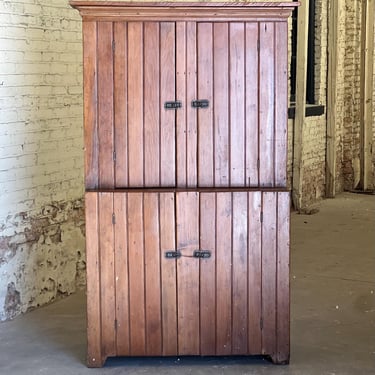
(95, 362)
(279, 359)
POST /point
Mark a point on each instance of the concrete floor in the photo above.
(333, 311)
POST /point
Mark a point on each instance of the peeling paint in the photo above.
(44, 258)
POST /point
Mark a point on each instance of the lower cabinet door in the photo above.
(187, 273)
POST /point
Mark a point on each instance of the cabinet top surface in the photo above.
(183, 4)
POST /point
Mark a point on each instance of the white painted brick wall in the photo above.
(41, 144)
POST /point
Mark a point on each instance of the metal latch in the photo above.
(172, 254)
(203, 103)
(202, 254)
(173, 105)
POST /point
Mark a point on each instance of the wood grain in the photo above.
(121, 274)
(187, 210)
(120, 103)
(168, 274)
(107, 274)
(152, 107)
(207, 277)
(237, 104)
(89, 30)
(167, 93)
(95, 356)
(135, 104)
(136, 274)
(266, 104)
(105, 105)
(221, 103)
(152, 274)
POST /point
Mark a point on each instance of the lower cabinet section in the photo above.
(187, 273)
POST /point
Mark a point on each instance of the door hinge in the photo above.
(261, 323)
(261, 216)
(258, 45)
(113, 218)
(114, 155)
(258, 164)
(115, 324)
(113, 45)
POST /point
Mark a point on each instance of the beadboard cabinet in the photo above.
(187, 212)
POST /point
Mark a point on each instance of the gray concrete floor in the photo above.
(332, 323)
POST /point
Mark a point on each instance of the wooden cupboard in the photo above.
(187, 212)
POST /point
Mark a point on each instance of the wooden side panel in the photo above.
(152, 167)
(89, 30)
(240, 274)
(122, 274)
(181, 82)
(255, 272)
(94, 332)
(266, 104)
(269, 258)
(224, 274)
(237, 104)
(168, 274)
(188, 273)
(120, 103)
(152, 274)
(283, 314)
(207, 276)
(107, 274)
(191, 113)
(135, 104)
(281, 103)
(205, 115)
(221, 103)
(105, 105)
(136, 274)
(252, 95)
(167, 93)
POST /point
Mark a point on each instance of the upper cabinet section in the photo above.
(187, 103)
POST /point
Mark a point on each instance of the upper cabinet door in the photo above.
(228, 82)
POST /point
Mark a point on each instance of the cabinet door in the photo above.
(141, 302)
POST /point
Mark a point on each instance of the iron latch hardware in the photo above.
(203, 103)
(173, 105)
(202, 254)
(172, 254)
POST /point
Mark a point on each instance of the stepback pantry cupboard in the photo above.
(185, 118)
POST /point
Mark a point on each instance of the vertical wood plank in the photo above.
(283, 309)
(136, 274)
(94, 326)
(168, 274)
(120, 106)
(105, 105)
(191, 113)
(266, 104)
(188, 273)
(89, 30)
(181, 125)
(107, 273)
(269, 274)
(135, 104)
(224, 274)
(221, 103)
(167, 93)
(281, 102)
(122, 277)
(252, 95)
(240, 274)
(237, 104)
(255, 272)
(205, 115)
(152, 274)
(151, 104)
(207, 275)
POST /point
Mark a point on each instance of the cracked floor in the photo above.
(332, 311)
